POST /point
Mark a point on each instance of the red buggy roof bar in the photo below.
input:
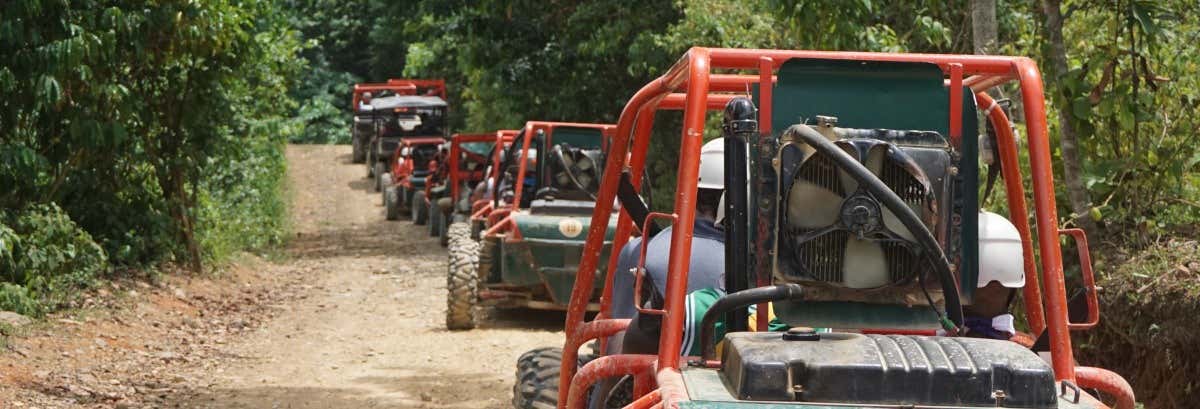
(456, 142)
(400, 87)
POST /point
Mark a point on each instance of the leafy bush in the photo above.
(48, 256)
(339, 54)
(134, 133)
(323, 122)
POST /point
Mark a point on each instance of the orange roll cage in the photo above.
(481, 208)
(501, 220)
(400, 87)
(454, 174)
(690, 85)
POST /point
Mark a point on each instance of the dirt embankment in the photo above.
(1149, 315)
(351, 317)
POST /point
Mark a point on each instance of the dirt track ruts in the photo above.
(351, 317)
(371, 331)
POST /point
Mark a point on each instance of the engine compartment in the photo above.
(851, 368)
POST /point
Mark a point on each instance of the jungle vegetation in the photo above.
(138, 135)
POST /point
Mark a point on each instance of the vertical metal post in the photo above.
(685, 208)
(452, 170)
(1042, 172)
(956, 104)
(739, 122)
(1017, 210)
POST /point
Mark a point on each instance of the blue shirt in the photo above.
(707, 265)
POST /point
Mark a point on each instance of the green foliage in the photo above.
(324, 95)
(511, 61)
(339, 52)
(20, 299)
(47, 256)
(156, 126)
(1131, 94)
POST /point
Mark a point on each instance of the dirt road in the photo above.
(371, 332)
(351, 317)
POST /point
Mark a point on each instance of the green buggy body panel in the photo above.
(547, 254)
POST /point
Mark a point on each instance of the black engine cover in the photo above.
(886, 369)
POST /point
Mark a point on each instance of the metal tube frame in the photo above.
(501, 226)
(692, 75)
(399, 86)
(481, 208)
(455, 175)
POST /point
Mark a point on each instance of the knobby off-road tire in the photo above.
(476, 230)
(487, 250)
(420, 212)
(385, 182)
(379, 171)
(370, 164)
(444, 234)
(401, 198)
(461, 280)
(435, 217)
(391, 205)
(537, 379)
(358, 155)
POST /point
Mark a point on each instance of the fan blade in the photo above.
(894, 224)
(849, 184)
(585, 163)
(585, 180)
(865, 265)
(562, 179)
(811, 206)
(873, 162)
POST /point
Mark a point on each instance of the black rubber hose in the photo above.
(740, 299)
(892, 202)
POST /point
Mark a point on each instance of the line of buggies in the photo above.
(852, 217)
(512, 206)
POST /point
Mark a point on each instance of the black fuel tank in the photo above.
(886, 369)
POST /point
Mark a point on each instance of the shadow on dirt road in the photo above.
(368, 329)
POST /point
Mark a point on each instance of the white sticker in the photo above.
(570, 228)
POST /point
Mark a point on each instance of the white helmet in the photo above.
(1000, 256)
(712, 165)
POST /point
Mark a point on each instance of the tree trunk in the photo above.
(174, 193)
(187, 223)
(983, 26)
(1077, 193)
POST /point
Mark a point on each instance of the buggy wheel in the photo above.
(461, 280)
(435, 217)
(401, 198)
(444, 230)
(390, 203)
(385, 182)
(379, 172)
(358, 155)
(419, 211)
(487, 249)
(537, 379)
(476, 230)
(370, 162)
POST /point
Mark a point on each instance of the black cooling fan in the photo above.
(841, 235)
